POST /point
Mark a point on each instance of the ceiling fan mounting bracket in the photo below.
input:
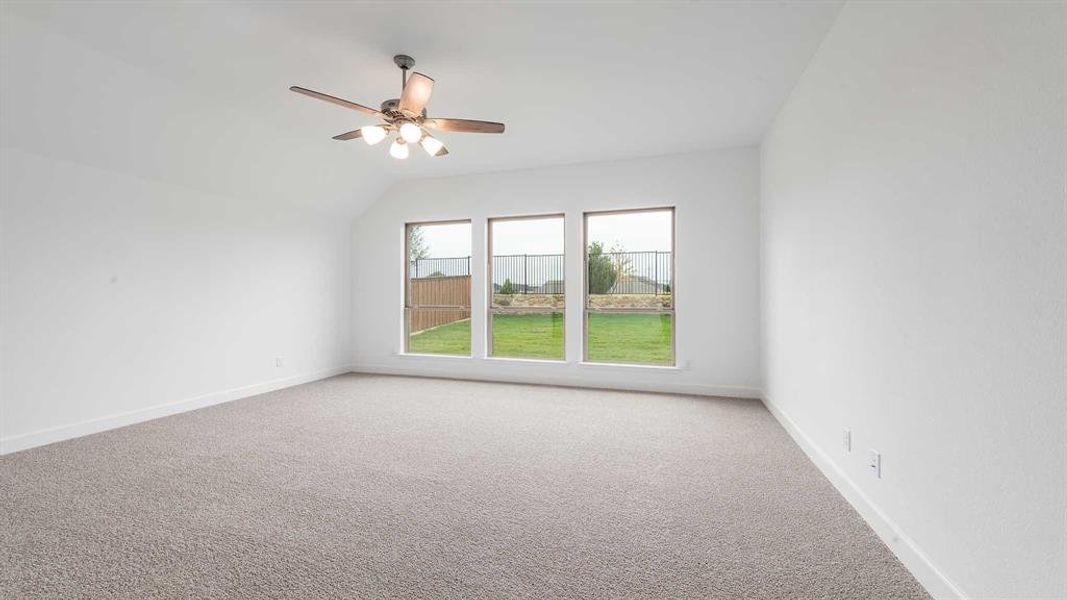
(404, 61)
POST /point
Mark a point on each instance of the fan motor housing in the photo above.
(391, 107)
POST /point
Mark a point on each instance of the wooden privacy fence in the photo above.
(436, 301)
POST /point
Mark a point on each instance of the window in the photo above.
(629, 275)
(437, 290)
(526, 305)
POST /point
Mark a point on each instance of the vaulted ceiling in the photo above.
(196, 94)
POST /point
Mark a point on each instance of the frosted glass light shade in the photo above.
(431, 145)
(399, 149)
(372, 134)
(411, 132)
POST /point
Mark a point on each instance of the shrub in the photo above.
(602, 271)
(508, 287)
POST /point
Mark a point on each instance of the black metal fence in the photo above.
(645, 272)
(528, 274)
(439, 267)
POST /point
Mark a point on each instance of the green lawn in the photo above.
(630, 338)
(624, 338)
(528, 336)
(454, 338)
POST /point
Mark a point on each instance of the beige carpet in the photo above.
(371, 487)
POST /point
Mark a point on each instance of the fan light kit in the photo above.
(406, 116)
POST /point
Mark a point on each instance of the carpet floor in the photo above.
(366, 486)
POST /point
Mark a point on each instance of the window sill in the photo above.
(445, 356)
(533, 361)
(601, 365)
(542, 361)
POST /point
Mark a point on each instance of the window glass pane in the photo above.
(629, 259)
(629, 275)
(620, 337)
(527, 299)
(438, 292)
(528, 335)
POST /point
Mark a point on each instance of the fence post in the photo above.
(468, 266)
(655, 268)
(525, 287)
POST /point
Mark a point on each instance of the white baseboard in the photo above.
(532, 372)
(65, 432)
(914, 559)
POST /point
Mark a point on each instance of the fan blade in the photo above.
(464, 125)
(416, 94)
(337, 101)
(351, 135)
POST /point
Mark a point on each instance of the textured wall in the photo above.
(915, 273)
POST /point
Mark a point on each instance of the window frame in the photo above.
(490, 310)
(406, 296)
(586, 310)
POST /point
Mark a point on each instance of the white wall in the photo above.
(124, 298)
(914, 280)
(159, 246)
(716, 195)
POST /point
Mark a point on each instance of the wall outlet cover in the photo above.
(874, 463)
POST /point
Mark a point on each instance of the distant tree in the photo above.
(437, 274)
(417, 248)
(602, 271)
(621, 260)
(508, 287)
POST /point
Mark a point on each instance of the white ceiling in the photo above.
(195, 93)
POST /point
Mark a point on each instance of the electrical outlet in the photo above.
(846, 439)
(874, 463)
(279, 362)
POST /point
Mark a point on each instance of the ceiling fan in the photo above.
(406, 116)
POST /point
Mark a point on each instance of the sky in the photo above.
(446, 241)
(528, 236)
(634, 231)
